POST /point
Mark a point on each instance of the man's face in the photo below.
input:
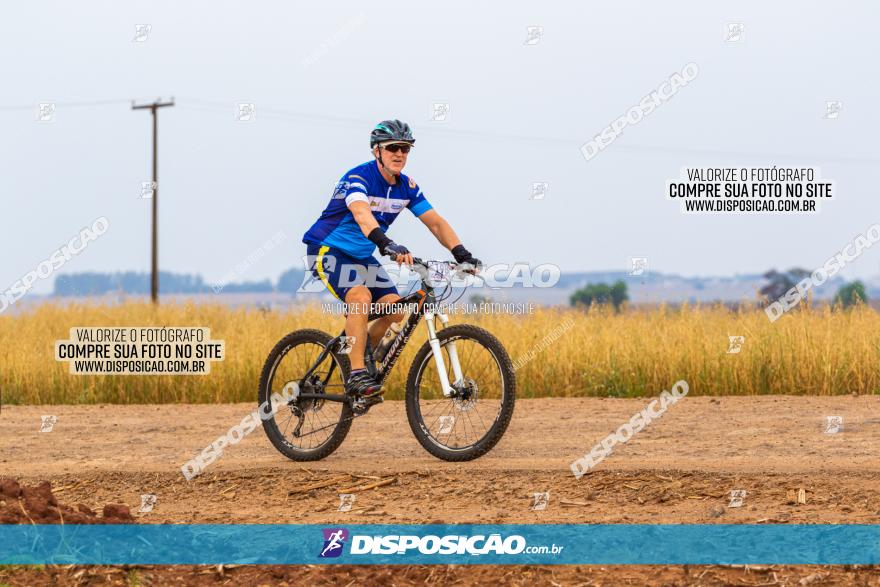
(394, 161)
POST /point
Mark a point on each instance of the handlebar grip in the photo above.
(416, 260)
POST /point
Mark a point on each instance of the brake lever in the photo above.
(473, 273)
(471, 270)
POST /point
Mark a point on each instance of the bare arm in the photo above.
(363, 216)
(367, 223)
(440, 229)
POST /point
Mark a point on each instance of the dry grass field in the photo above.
(558, 352)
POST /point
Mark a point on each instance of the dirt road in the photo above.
(680, 469)
(690, 458)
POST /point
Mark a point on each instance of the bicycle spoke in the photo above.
(287, 425)
(485, 429)
(318, 418)
(434, 407)
(477, 410)
(482, 376)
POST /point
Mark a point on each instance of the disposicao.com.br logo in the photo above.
(334, 542)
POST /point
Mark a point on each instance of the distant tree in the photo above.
(781, 282)
(93, 283)
(618, 293)
(600, 293)
(138, 283)
(851, 294)
(264, 286)
(479, 299)
(290, 280)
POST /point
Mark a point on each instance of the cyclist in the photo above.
(340, 244)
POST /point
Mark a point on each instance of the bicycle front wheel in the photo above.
(470, 423)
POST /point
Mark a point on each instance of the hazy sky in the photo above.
(321, 74)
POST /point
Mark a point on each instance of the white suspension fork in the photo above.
(438, 353)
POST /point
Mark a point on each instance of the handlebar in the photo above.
(422, 268)
(424, 264)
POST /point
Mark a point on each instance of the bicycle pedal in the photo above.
(361, 405)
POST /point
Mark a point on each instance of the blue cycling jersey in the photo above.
(337, 227)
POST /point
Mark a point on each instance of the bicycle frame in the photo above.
(419, 298)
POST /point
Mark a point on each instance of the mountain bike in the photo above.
(460, 390)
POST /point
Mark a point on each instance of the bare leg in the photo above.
(380, 326)
(358, 300)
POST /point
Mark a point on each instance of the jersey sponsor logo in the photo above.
(380, 204)
(340, 191)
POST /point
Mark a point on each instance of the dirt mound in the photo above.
(37, 505)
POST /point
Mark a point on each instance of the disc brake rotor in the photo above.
(465, 398)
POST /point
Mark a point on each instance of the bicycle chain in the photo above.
(356, 415)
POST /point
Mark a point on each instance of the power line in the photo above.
(35, 105)
(278, 111)
(290, 116)
(284, 115)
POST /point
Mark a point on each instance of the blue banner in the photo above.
(546, 544)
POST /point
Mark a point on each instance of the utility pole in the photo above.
(154, 278)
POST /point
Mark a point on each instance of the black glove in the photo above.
(393, 250)
(462, 255)
(386, 246)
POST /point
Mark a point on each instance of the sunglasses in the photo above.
(396, 148)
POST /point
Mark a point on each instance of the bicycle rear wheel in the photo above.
(304, 429)
(471, 422)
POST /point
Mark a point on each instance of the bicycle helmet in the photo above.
(391, 130)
